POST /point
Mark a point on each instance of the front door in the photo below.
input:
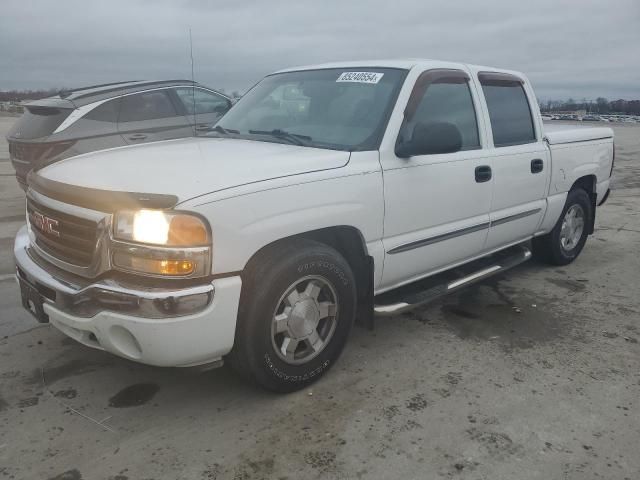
(202, 108)
(436, 205)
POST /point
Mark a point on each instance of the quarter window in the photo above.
(106, 112)
(509, 112)
(146, 106)
(447, 100)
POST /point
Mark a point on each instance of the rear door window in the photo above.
(146, 106)
(509, 112)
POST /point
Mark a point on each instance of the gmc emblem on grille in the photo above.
(45, 224)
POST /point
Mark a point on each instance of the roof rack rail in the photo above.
(68, 91)
(140, 83)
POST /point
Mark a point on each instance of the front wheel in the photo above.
(297, 307)
(564, 243)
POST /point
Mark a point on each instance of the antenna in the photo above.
(193, 87)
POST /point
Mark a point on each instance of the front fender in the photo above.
(244, 223)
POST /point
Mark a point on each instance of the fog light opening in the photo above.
(124, 341)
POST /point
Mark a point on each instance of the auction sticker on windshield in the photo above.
(360, 77)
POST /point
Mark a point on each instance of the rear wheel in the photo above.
(564, 243)
(297, 306)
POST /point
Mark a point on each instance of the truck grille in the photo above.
(66, 237)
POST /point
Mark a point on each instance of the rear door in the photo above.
(151, 116)
(209, 106)
(520, 158)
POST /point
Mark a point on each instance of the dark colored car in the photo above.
(110, 115)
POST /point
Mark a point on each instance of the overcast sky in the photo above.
(577, 48)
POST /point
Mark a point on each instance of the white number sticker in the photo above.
(360, 77)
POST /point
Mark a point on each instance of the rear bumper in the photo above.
(163, 327)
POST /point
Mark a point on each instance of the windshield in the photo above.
(344, 108)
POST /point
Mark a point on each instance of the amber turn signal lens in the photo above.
(187, 230)
(175, 268)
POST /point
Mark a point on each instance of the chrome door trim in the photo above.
(517, 216)
(463, 231)
(438, 238)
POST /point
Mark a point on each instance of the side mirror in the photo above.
(431, 138)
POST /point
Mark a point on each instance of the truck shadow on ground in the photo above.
(495, 311)
(488, 312)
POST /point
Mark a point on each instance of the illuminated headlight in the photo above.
(161, 243)
(157, 227)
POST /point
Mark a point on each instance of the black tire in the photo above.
(265, 281)
(548, 248)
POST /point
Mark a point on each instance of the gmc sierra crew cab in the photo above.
(327, 195)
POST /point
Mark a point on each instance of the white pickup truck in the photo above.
(327, 195)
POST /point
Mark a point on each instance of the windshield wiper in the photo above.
(295, 138)
(225, 131)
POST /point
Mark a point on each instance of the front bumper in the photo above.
(156, 326)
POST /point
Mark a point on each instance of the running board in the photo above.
(423, 291)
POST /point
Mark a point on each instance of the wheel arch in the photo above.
(350, 243)
(588, 184)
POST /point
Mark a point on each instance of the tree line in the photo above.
(599, 105)
(20, 95)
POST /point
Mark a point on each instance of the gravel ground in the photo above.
(531, 375)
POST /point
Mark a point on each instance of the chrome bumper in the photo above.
(81, 298)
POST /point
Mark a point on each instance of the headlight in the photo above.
(161, 228)
(159, 243)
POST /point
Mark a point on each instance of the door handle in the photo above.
(203, 127)
(537, 165)
(483, 173)
(137, 136)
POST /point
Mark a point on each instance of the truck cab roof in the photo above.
(404, 63)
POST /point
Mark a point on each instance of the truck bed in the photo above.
(559, 133)
(578, 149)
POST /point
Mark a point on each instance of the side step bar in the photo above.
(423, 291)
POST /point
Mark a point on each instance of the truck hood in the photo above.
(189, 167)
